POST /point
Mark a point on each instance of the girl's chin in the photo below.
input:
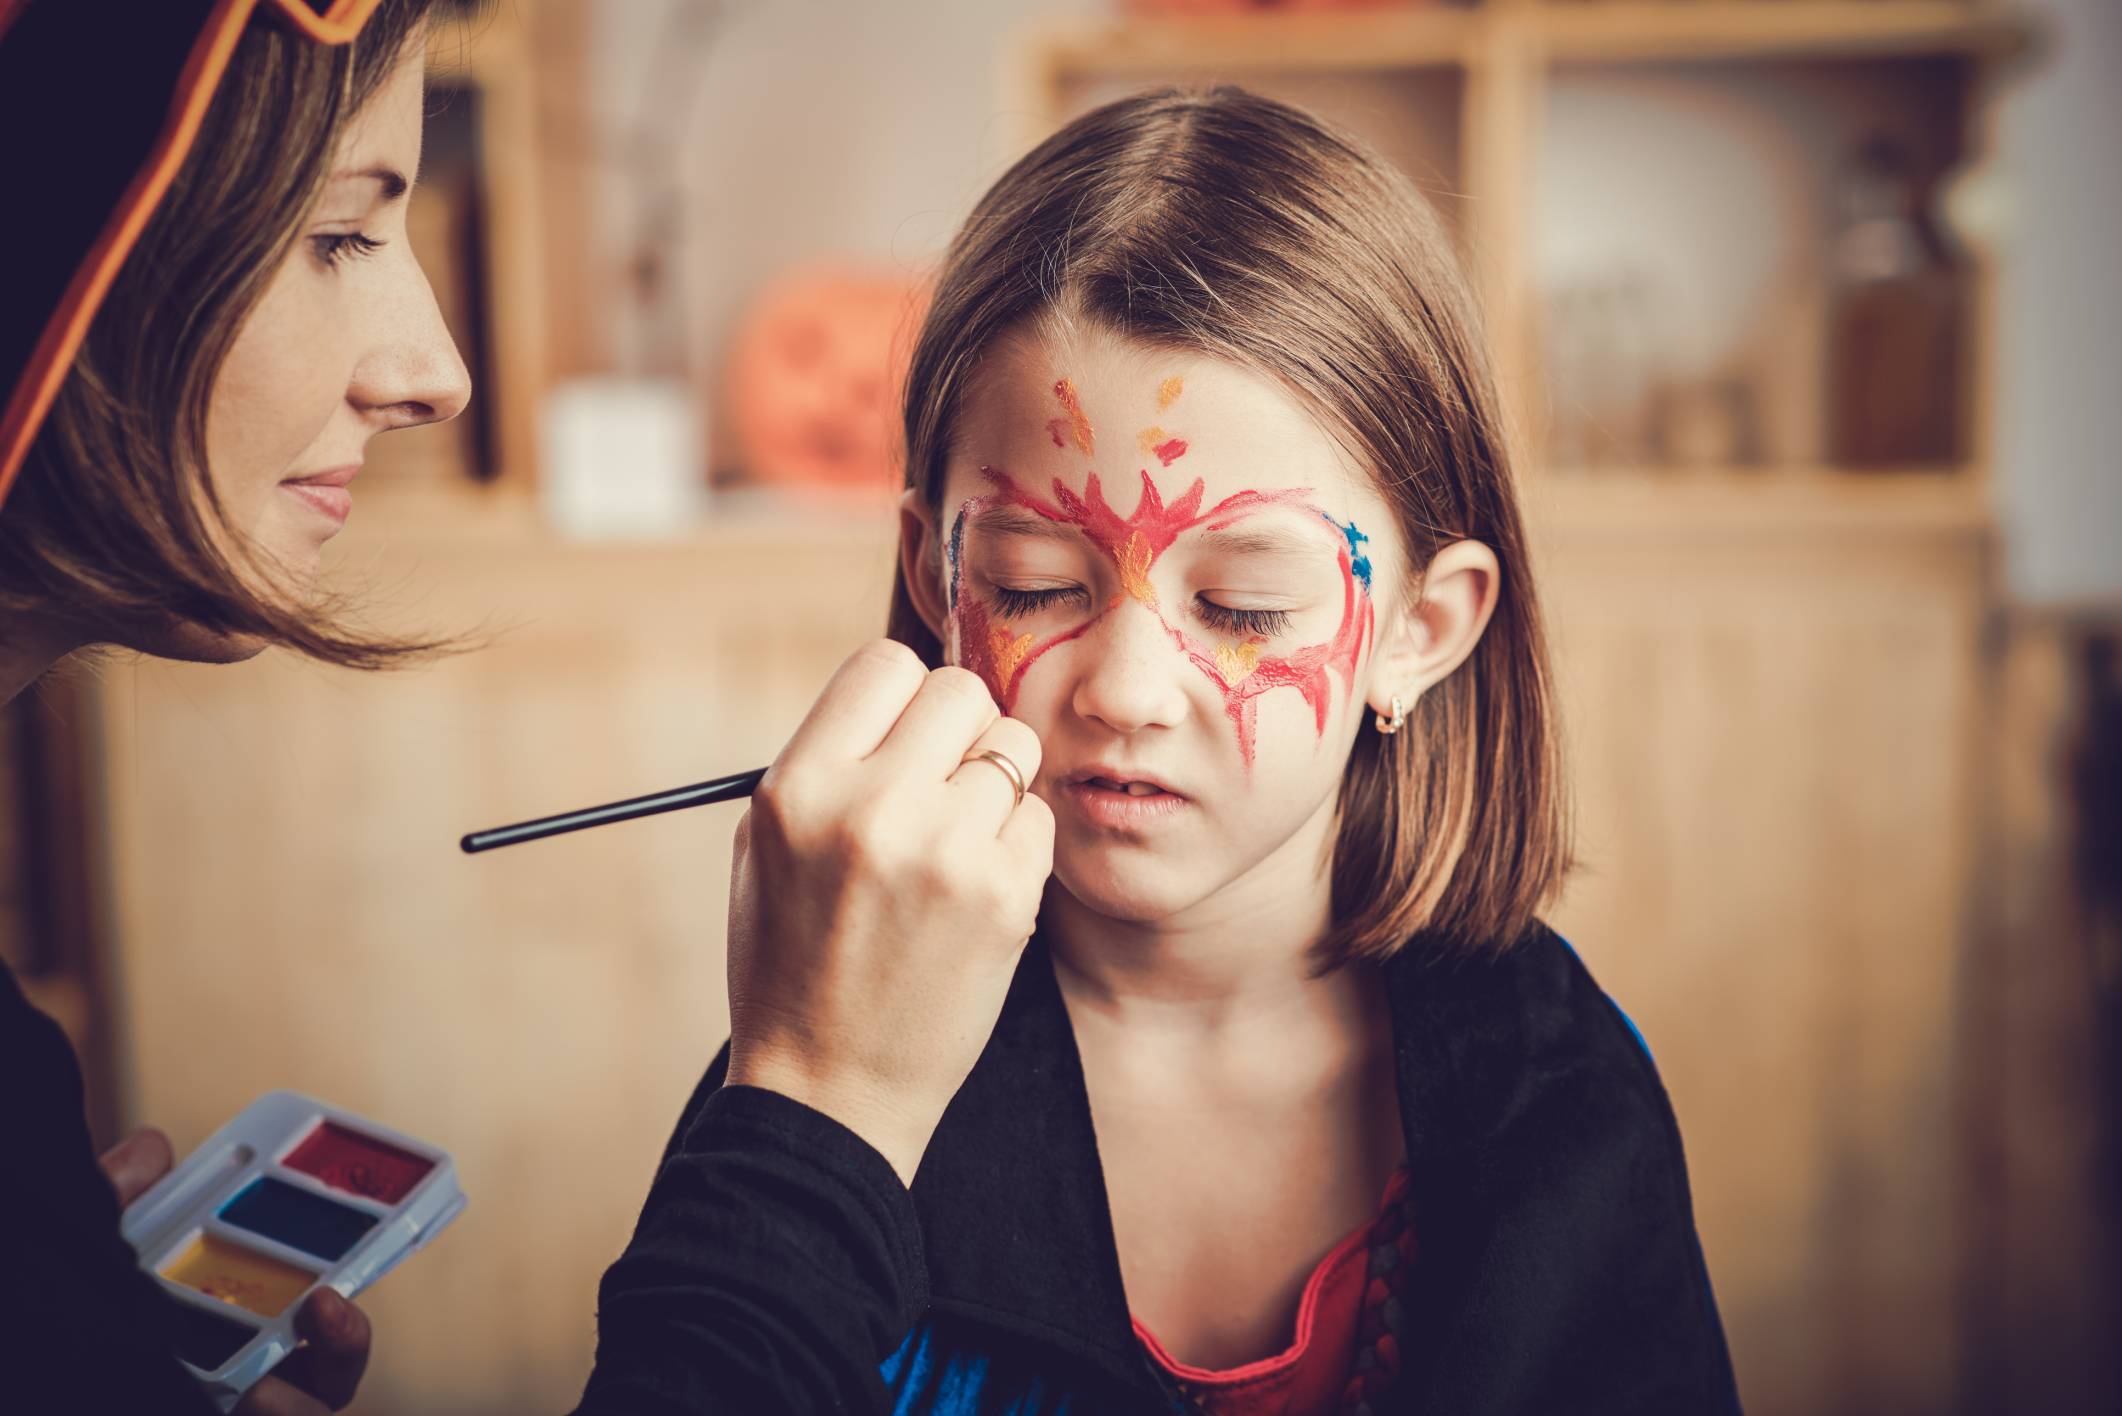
(1138, 892)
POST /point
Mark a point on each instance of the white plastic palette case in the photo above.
(291, 1196)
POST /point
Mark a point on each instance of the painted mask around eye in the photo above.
(1025, 567)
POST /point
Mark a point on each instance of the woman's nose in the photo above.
(1136, 675)
(413, 373)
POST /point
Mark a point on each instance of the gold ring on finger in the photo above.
(1009, 770)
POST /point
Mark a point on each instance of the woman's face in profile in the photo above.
(346, 343)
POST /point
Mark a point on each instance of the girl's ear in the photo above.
(921, 563)
(1435, 634)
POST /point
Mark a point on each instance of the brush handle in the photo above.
(678, 798)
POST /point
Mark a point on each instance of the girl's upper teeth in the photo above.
(1140, 789)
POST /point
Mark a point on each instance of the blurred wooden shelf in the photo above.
(1765, 500)
(1622, 31)
(1606, 31)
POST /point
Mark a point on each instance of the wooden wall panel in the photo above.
(1775, 754)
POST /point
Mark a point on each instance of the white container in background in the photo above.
(622, 458)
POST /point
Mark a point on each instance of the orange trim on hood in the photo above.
(8, 10)
(53, 357)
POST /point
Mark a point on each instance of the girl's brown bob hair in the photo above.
(113, 527)
(1225, 224)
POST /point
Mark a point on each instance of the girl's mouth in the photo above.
(1122, 802)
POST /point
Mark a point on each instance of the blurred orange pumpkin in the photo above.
(816, 372)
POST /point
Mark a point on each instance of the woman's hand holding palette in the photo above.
(289, 1196)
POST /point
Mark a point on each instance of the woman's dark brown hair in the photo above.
(112, 525)
(1231, 226)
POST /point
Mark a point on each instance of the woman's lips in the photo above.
(326, 491)
(1120, 801)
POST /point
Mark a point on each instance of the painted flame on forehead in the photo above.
(1077, 424)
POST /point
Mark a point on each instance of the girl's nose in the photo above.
(413, 373)
(1135, 678)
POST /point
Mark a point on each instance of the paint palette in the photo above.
(290, 1196)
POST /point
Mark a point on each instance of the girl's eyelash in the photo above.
(333, 248)
(1268, 624)
(1016, 604)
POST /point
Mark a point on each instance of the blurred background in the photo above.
(1808, 319)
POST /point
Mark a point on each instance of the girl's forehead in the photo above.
(1046, 409)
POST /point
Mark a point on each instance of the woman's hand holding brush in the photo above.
(886, 880)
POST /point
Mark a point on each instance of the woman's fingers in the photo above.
(878, 905)
(338, 1336)
(324, 1372)
(938, 727)
(860, 705)
(137, 1162)
(981, 780)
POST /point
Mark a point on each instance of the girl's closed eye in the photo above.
(1224, 619)
(1010, 603)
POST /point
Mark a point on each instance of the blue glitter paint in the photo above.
(1358, 559)
(955, 547)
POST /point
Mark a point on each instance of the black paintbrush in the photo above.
(699, 794)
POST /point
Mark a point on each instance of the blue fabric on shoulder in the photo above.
(933, 1374)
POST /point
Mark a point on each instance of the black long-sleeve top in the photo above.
(86, 1330)
(1557, 1268)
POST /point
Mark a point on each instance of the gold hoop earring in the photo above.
(1397, 721)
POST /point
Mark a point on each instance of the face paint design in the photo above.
(1243, 674)
(1241, 671)
(1153, 443)
(1359, 559)
(1076, 424)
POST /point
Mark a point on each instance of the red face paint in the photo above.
(1244, 677)
(1155, 443)
(1001, 657)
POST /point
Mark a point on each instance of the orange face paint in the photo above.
(1006, 653)
(1167, 391)
(1078, 423)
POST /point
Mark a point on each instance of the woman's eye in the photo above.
(336, 247)
(1019, 604)
(1268, 624)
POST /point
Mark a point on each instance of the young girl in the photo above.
(1294, 1107)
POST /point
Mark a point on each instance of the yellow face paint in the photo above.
(1236, 662)
(1134, 559)
(1148, 439)
(1167, 391)
(240, 1276)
